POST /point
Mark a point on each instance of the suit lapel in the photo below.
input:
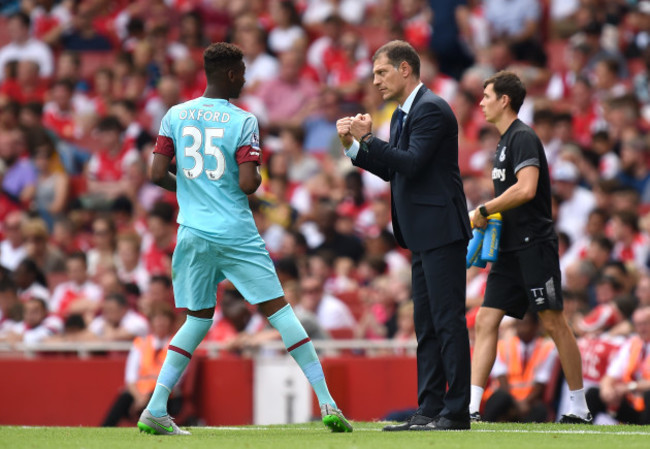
(393, 121)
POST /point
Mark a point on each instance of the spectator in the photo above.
(523, 368)
(191, 31)
(576, 201)
(27, 87)
(634, 168)
(301, 166)
(19, 179)
(117, 322)
(626, 385)
(288, 98)
(630, 245)
(331, 312)
(130, 268)
(11, 309)
(349, 70)
(260, 66)
(160, 290)
(332, 240)
(37, 325)
(379, 317)
(82, 35)
(102, 256)
(451, 35)
(48, 258)
(12, 247)
(142, 368)
(169, 94)
(161, 239)
(60, 114)
(30, 281)
(320, 125)
(78, 295)
(240, 327)
(287, 29)
(107, 168)
(23, 47)
(517, 23)
(52, 185)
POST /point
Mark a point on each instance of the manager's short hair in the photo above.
(398, 51)
(508, 83)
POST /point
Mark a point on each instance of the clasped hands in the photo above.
(350, 128)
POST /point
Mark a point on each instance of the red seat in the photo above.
(352, 300)
(344, 333)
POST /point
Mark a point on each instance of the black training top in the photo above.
(531, 222)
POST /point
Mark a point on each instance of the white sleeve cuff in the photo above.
(353, 150)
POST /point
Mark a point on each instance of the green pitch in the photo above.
(316, 436)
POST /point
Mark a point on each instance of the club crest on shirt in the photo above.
(502, 157)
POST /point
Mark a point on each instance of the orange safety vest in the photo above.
(636, 366)
(522, 379)
(151, 362)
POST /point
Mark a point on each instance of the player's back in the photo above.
(207, 134)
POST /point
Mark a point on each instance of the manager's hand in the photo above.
(361, 125)
(343, 130)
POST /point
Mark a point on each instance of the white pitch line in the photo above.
(559, 432)
(567, 432)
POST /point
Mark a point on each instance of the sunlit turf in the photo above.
(315, 436)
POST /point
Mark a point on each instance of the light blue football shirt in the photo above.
(210, 137)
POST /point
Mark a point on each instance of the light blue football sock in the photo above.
(179, 353)
(302, 350)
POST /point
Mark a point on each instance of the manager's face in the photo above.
(388, 79)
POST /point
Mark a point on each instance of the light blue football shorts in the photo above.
(199, 264)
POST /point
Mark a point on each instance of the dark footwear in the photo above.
(415, 420)
(443, 423)
(573, 419)
(475, 417)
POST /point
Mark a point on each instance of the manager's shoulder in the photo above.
(431, 99)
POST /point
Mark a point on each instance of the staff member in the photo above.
(527, 271)
(430, 219)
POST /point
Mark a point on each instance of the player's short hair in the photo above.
(398, 51)
(508, 83)
(221, 56)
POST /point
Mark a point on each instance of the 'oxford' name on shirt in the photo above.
(198, 114)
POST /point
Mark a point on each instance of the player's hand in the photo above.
(343, 130)
(361, 125)
(478, 220)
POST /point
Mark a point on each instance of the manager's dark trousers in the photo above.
(443, 344)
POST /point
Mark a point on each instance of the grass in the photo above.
(315, 436)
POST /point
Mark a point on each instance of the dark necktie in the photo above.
(400, 121)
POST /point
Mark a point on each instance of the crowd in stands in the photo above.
(86, 240)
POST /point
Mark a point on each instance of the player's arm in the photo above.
(249, 157)
(521, 192)
(249, 177)
(163, 154)
(160, 174)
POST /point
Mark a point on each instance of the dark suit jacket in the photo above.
(428, 203)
